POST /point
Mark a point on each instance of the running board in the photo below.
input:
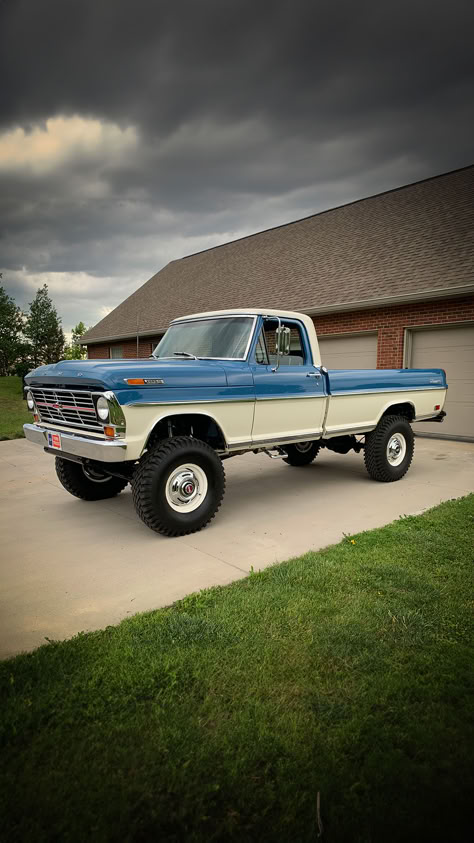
(275, 453)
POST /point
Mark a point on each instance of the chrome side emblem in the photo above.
(144, 381)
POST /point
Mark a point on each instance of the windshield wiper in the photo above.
(184, 354)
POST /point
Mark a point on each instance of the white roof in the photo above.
(246, 311)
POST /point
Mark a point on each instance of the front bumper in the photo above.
(79, 446)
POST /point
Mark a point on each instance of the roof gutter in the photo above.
(391, 301)
(131, 336)
(361, 304)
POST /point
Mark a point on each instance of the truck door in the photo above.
(291, 398)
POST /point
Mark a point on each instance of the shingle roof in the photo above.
(416, 240)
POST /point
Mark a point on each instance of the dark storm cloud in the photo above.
(162, 63)
(208, 120)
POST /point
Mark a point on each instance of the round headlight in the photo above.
(102, 408)
(30, 401)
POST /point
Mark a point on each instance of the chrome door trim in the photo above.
(339, 393)
(252, 444)
(164, 402)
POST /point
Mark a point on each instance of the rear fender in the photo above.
(402, 408)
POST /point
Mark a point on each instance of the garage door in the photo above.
(451, 349)
(353, 351)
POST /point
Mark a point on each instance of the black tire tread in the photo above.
(297, 458)
(71, 476)
(374, 457)
(149, 464)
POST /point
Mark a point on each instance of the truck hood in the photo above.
(112, 374)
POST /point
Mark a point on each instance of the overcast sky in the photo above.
(132, 133)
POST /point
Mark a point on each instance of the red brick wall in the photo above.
(97, 352)
(390, 323)
(145, 347)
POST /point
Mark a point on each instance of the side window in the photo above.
(296, 346)
(296, 355)
(261, 355)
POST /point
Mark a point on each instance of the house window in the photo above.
(116, 352)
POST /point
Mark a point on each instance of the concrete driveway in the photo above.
(68, 565)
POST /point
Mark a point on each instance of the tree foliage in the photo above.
(74, 351)
(43, 329)
(12, 346)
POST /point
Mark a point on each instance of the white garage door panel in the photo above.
(451, 349)
(349, 352)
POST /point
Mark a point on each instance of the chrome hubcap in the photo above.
(186, 488)
(95, 476)
(396, 449)
(303, 447)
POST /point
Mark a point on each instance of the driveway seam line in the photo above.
(217, 558)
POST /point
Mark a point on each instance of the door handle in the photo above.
(313, 374)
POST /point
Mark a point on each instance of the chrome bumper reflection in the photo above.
(100, 450)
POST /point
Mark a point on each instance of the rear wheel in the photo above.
(389, 449)
(301, 453)
(178, 486)
(87, 483)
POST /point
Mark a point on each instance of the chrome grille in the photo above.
(72, 408)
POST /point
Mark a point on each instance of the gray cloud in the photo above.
(134, 132)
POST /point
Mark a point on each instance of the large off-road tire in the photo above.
(302, 453)
(87, 483)
(389, 449)
(178, 486)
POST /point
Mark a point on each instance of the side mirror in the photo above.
(283, 338)
(282, 342)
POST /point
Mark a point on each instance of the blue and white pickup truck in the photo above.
(218, 385)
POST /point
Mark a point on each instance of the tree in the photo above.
(74, 351)
(11, 326)
(43, 329)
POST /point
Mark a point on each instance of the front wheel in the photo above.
(389, 449)
(302, 453)
(178, 486)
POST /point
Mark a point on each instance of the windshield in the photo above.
(225, 337)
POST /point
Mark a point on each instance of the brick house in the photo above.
(388, 280)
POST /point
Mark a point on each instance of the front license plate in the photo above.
(54, 441)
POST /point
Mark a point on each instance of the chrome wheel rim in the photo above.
(396, 449)
(186, 487)
(303, 447)
(95, 476)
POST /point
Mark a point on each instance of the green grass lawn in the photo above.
(347, 672)
(13, 410)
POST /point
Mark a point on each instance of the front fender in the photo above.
(233, 418)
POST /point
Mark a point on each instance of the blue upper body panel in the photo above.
(190, 381)
(374, 380)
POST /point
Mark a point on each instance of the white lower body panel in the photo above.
(359, 413)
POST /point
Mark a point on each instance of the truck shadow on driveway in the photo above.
(264, 493)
